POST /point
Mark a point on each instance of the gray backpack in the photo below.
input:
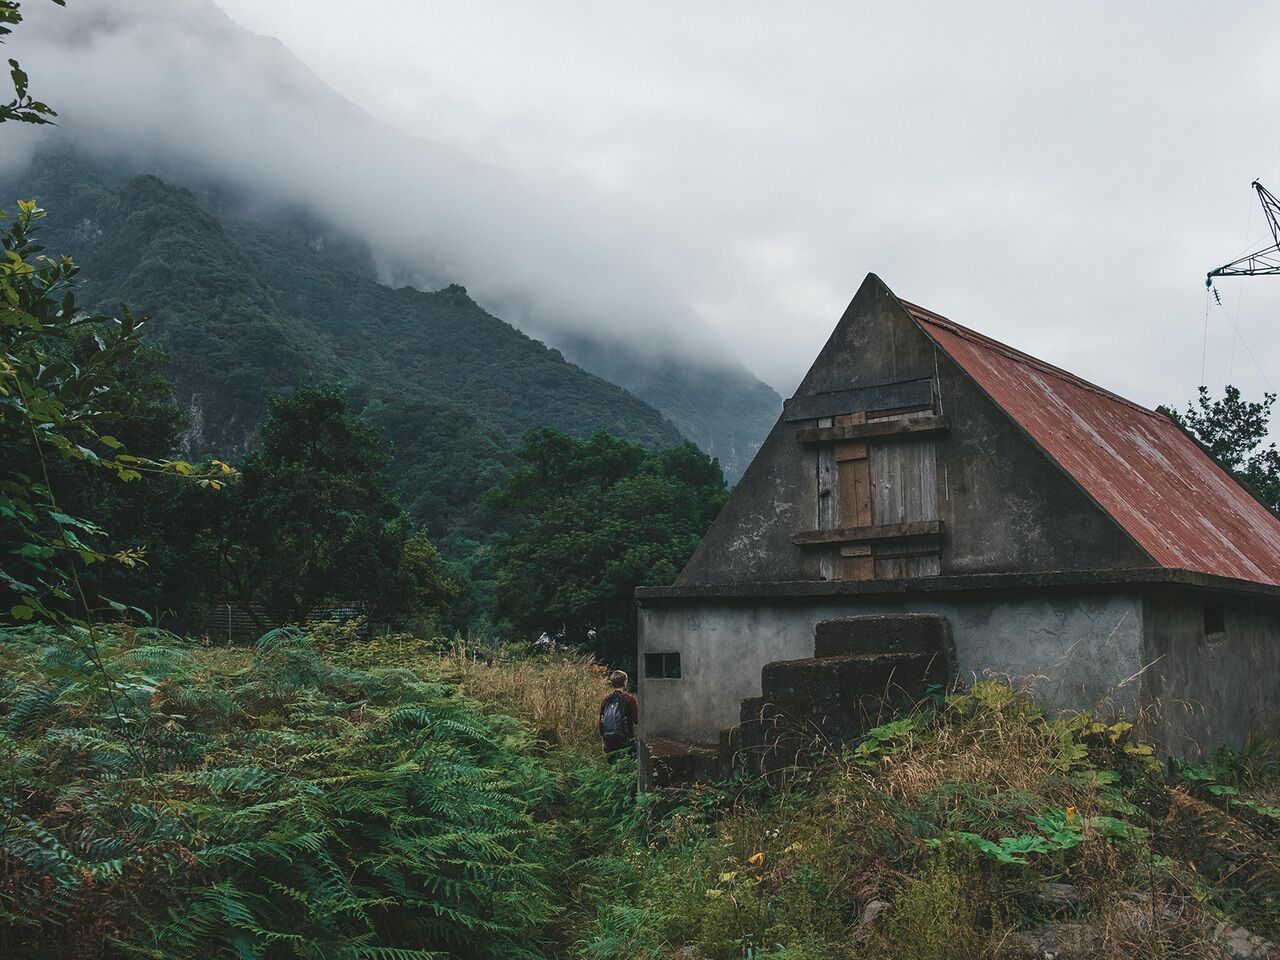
(614, 722)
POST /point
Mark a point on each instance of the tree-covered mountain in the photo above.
(718, 405)
(249, 302)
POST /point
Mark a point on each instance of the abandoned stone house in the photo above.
(934, 502)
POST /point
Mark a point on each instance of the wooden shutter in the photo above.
(854, 478)
(904, 489)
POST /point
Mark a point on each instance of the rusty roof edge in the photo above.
(924, 315)
(925, 318)
(962, 583)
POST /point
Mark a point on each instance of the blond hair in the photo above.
(618, 678)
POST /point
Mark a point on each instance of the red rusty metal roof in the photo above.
(1180, 506)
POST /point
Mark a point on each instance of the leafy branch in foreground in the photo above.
(53, 401)
(23, 108)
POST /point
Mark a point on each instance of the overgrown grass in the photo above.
(329, 797)
(557, 697)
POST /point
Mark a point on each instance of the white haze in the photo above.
(178, 85)
(1058, 176)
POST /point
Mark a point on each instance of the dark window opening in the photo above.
(664, 666)
(1215, 621)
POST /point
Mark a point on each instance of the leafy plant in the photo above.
(1235, 431)
(593, 520)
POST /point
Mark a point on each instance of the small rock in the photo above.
(1054, 941)
(1240, 944)
(871, 912)
(1060, 897)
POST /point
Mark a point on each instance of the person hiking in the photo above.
(618, 717)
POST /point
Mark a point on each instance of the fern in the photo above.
(296, 807)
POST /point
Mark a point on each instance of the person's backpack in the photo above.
(614, 722)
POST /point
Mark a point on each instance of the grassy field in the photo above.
(323, 796)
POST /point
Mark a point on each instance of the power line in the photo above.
(1247, 348)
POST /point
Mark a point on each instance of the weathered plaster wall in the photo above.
(1081, 644)
(1004, 504)
(1201, 694)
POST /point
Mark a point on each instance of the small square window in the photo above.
(663, 666)
(1215, 621)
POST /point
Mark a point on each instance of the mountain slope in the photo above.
(250, 304)
(194, 97)
(719, 406)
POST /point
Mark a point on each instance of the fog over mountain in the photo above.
(177, 88)
(1060, 178)
(177, 85)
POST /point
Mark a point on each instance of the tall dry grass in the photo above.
(558, 696)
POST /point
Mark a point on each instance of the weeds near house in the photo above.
(557, 696)
(933, 837)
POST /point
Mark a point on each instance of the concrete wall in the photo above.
(1083, 644)
(1203, 692)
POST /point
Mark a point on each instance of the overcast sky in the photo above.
(1057, 176)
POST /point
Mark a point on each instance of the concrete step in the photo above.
(827, 682)
(675, 762)
(884, 633)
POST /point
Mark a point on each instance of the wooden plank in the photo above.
(854, 478)
(882, 430)
(904, 489)
(828, 497)
(855, 560)
(886, 396)
(907, 558)
(922, 528)
(904, 486)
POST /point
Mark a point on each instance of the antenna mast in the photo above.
(1264, 262)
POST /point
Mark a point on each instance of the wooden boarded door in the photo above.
(877, 511)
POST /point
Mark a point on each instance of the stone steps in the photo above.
(831, 680)
(672, 762)
(866, 671)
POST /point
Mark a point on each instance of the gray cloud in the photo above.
(1058, 176)
(176, 83)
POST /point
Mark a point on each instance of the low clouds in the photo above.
(175, 85)
(1059, 177)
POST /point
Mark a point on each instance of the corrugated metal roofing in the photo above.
(1172, 498)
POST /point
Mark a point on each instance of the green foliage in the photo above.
(64, 378)
(935, 916)
(950, 817)
(314, 518)
(267, 804)
(445, 461)
(1235, 432)
(593, 520)
(23, 108)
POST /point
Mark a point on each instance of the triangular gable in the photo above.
(1177, 503)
